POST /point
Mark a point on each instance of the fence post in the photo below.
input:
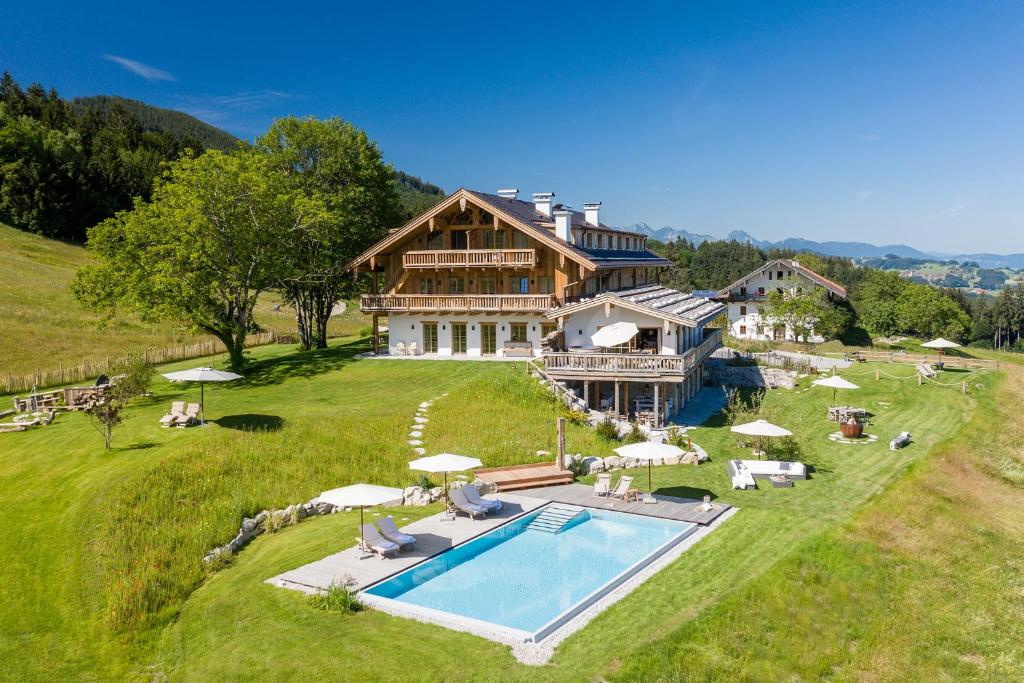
(920, 379)
(878, 374)
(964, 386)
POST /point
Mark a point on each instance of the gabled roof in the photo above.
(524, 216)
(660, 302)
(789, 264)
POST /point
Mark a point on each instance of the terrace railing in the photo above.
(429, 303)
(629, 365)
(470, 258)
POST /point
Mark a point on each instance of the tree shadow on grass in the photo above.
(690, 492)
(135, 446)
(302, 364)
(856, 336)
(251, 422)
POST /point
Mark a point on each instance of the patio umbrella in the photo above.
(649, 451)
(760, 429)
(201, 375)
(360, 496)
(940, 345)
(445, 463)
(615, 334)
(836, 382)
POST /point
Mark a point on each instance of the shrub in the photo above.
(366, 331)
(337, 598)
(607, 430)
(635, 435)
(576, 417)
(677, 438)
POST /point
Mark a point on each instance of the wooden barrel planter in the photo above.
(851, 430)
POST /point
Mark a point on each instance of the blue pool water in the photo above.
(522, 578)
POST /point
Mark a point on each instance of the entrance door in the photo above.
(779, 333)
(458, 337)
(488, 339)
(429, 337)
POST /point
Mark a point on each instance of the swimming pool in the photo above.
(525, 582)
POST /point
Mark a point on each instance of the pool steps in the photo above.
(555, 517)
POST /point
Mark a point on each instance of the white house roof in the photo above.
(660, 302)
(789, 264)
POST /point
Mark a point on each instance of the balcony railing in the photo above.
(434, 303)
(471, 258)
(630, 365)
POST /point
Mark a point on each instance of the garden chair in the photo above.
(400, 349)
(189, 417)
(473, 496)
(621, 488)
(371, 541)
(389, 530)
(461, 504)
(177, 410)
(603, 485)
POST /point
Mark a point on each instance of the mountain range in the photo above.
(830, 248)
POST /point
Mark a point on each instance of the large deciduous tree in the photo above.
(805, 313)
(335, 165)
(201, 250)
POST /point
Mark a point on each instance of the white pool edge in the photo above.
(538, 647)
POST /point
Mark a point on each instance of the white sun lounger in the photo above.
(390, 531)
(372, 541)
(177, 410)
(462, 504)
(603, 485)
(473, 496)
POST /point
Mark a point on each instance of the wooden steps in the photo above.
(530, 476)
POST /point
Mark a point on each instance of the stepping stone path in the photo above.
(416, 430)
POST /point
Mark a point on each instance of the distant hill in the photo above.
(832, 248)
(416, 194)
(180, 125)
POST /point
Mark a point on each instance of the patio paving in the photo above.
(667, 507)
(434, 535)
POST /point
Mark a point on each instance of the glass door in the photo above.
(429, 337)
(458, 337)
(488, 339)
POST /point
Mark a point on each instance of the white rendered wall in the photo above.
(407, 328)
(580, 327)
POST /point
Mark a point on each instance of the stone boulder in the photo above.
(613, 462)
(484, 486)
(591, 465)
(671, 459)
(416, 495)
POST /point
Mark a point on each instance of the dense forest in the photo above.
(67, 165)
(883, 303)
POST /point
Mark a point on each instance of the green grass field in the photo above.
(104, 578)
(44, 327)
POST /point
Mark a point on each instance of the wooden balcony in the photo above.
(629, 366)
(456, 303)
(471, 258)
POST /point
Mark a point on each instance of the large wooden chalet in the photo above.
(491, 275)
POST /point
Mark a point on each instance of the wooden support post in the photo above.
(627, 399)
(376, 334)
(920, 378)
(878, 374)
(657, 405)
(963, 386)
(560, 446)
(617, 411)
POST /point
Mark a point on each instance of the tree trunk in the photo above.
(325, 298)
(108, 433)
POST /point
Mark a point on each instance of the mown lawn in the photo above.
(104, 578)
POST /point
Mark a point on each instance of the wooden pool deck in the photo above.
(434, 535)
(667, 507)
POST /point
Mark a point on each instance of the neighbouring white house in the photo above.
(745, 297)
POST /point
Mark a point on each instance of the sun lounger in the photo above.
(473, 496)
(373, 542)
(189, 416)
(177, 410)
(400, 349)
(621, 488)
(462, 504)
(390, 531)
(603, 485)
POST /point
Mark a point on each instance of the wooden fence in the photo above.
(88, 370)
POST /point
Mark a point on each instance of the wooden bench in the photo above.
(518, 348)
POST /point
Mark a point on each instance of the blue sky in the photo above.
(883, 122)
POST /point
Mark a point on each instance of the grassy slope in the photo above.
(110, 543)
(209, 637)
(44, 326)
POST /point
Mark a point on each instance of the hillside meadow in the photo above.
(105, 579)
(44, 327)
